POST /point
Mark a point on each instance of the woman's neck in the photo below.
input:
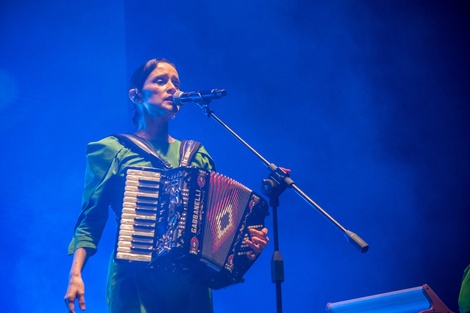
(157, 132)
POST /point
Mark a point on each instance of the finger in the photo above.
(70, 305)
(251, 255)
(260, 234)
(262, 241)
(255, 232)
(259, 247)
(81, 302)
(257, 242)
(263, 231)
(256, 247)
(251, 244)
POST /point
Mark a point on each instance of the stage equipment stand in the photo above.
(273, 186)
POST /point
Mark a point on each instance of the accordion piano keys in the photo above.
(139, 216)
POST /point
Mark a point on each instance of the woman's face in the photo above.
(158, 90)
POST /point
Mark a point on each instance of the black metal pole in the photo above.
(273, 186)
(277, 263)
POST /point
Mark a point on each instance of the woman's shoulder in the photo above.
(109, 145)
(108, 140)
(203, 159)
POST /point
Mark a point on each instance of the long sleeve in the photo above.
(102, 164)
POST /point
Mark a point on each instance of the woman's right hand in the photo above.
(76, 288)
(75, 291)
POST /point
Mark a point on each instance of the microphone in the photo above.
(180, 97)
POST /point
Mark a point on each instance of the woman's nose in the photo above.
(171, 88)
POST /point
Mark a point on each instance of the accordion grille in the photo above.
(227, 199)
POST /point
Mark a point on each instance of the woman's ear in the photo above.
(134, 95)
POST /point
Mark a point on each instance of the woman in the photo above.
(464, 294)
(132, 287)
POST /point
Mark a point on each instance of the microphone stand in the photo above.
(273, 186)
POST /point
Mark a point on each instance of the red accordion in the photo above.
(189, 218)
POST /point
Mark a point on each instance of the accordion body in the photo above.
(191, 219)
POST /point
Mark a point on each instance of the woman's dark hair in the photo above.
(143, 71)
(137, 81)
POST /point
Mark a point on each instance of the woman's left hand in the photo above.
(258, 242)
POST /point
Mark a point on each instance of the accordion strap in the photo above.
(143, 145)
(188, 149)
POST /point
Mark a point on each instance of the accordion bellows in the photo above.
(191, 219)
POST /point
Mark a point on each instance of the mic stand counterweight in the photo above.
(273, 186)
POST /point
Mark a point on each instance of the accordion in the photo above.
(189, 218)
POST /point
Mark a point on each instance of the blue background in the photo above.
(365, 101)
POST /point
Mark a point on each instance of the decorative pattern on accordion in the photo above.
(192, 218)
(228, 200)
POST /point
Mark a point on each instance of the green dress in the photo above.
(131, 286)
(464, 295)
